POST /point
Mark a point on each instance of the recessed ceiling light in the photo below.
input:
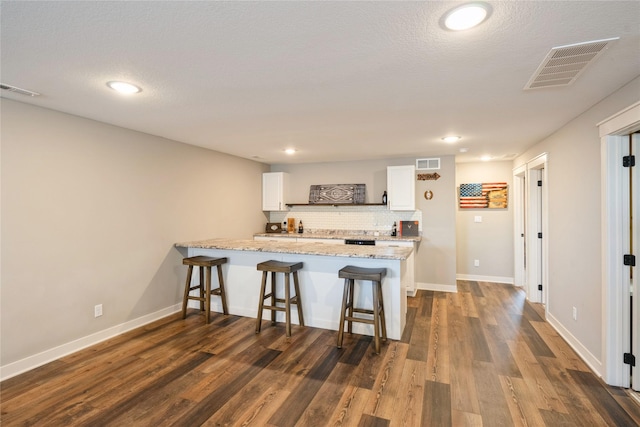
(485, 158)
(466, 16)
(290, 151)
(124, 87)
(464, 150)
(451, 138)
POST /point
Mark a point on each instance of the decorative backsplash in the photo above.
(359, 219)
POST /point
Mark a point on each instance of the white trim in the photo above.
(614, 308)
(539, 162)
(588, 358)
(31, 362)
(635, 271)
(622, 123)
(436, 287)
(519, 225)
(477, 278)
(615, 302)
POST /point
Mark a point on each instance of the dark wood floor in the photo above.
(481, 357)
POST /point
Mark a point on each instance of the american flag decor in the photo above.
(491, 195)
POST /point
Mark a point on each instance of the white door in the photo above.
(520, 227)
(539, 236)
(536, 235)
(634, 272)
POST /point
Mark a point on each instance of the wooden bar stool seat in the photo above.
(287, 268)
(204, 263)
(350, 274)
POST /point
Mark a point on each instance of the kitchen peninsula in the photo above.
(320, 287)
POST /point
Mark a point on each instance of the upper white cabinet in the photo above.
(274, 191)
(401, 187)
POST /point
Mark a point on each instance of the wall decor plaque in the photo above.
(334, 194)
(487, 195)
(409, 228)
(428, 176)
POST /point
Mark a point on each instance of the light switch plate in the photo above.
(477, 218)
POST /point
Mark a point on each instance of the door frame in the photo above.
(612, 139)
(519, 226)
(534, 262)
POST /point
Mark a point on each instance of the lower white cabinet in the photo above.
(411, 265)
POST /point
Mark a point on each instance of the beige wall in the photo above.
(435, 258)
(575, 247)
(89, 216)
(491, 241)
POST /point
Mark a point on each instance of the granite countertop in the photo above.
(341, 236)
(302, 248)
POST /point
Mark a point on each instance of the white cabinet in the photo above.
(274, 191)
(401, 187)
(411, 282)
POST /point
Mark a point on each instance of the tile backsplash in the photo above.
(346, 218)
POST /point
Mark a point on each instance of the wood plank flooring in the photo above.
(481, 357)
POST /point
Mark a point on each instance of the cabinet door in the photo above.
(401, 187)
(273, 191)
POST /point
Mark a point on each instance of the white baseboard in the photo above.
(494, 279)
(31, 362)
(436, 287)
(576, 345)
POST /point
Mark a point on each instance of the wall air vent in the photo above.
(563, 64)
(15, 89)
(428, 164)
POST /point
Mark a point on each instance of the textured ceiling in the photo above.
(335, 80)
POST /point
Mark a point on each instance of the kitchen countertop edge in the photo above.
(341, 236)
(302, 248)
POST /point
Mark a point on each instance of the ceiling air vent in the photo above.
(427, 164)
(15, 89)
(563, 64)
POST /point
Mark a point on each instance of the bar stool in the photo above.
(350, 274)
(204, 262)
(279, 267)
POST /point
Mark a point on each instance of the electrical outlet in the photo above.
(476, 263)
(97, 310)
(575, 313)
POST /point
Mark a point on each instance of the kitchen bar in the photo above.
(320, 287)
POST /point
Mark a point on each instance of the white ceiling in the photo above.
(335, 80)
